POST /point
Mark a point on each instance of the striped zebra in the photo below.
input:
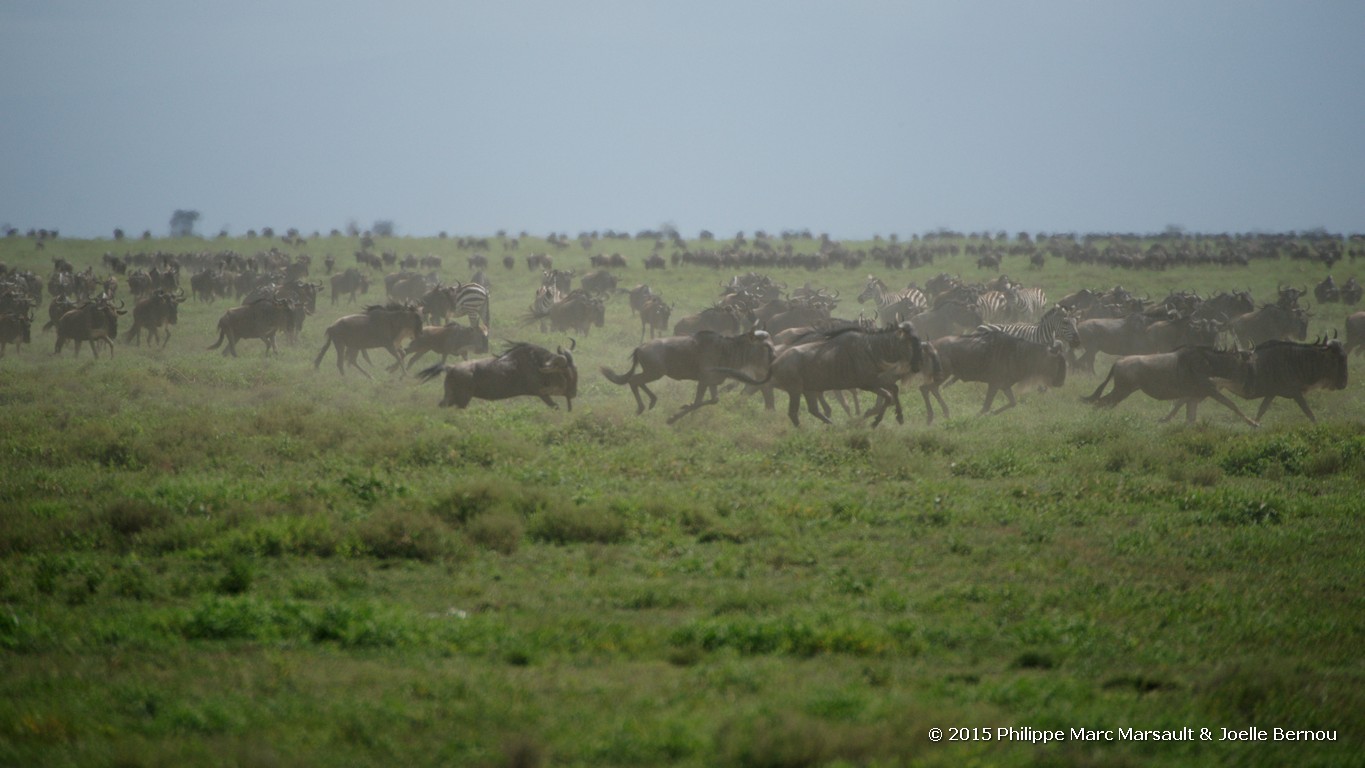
(906, 303)
(1055, 324)
(995, 307)
(1028, 302)
(470, 300)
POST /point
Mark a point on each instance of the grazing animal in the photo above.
(15, 328)
(1355, 332)
(1269, 323)
(654, 317)
(350, 283)
(1002, 361)
(727, 321)
(1291, 369)
(1056, 323)
(946, 319)
(152, 314)
(522, 370)
(447, 340)
(700, 358)
(261, 319)
(91, 321)
(872, 361)
(893, 306)
(1189, 375)
(579, 312)
(383, 326)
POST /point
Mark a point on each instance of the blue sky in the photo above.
(851, 118)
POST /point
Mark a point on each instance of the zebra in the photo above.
(471, 300)
(1028, 302)
(906, 303)
(1056, 323)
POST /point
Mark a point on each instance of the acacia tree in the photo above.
(182, 222)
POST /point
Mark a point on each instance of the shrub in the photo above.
(499, 531)
(396, 532)
(568, 525)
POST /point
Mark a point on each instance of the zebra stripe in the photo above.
(1055, 324)
(1029, 302)
(912, 299)
(471, 300)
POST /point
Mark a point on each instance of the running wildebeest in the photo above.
(383, 326)
(91, 321)
(1289, 369)
(152, 314)
(261, 319)
(522, 370)
(694, 358)
(1001, 361)
(1188, 376)
(849, 358)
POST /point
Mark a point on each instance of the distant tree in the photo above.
(383, 228)
(118, 234)
(182, 222)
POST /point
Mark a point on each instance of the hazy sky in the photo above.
(852, 118)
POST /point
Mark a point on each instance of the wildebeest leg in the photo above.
(1178, 405)
(1218, 397)
(794, 407)
(1303, 406)
(990, 398)
(889, 395)
(351, 354)
(813, 402)
(546, 399)
(398, 357)
(926, 390)
(697, 401)
(1009, 395)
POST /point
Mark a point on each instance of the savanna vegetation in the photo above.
(208, 560)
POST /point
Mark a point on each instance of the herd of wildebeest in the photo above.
(1183, 348)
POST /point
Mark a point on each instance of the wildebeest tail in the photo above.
(317, 361)
(222, 334)
(1095, 396)
(621, 378)
(427, 374)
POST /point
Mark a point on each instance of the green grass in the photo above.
(217, 561)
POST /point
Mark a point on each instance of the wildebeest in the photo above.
(654, 317)
(1141, 334)
(578, 312)
(1355, 332)
(1001, 361)
(91, 321)
(447, 340)
(694, 358)
(350, 282)
(15, 328)
(522, 370)
(845, 359)
(152, 314)
(1291, 369)
(726, 321)
(1187, 375)
(261, 319)
(598, 281)
(383, 326)
(946, 319)
(1268, 323)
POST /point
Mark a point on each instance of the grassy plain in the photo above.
(218, 561)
